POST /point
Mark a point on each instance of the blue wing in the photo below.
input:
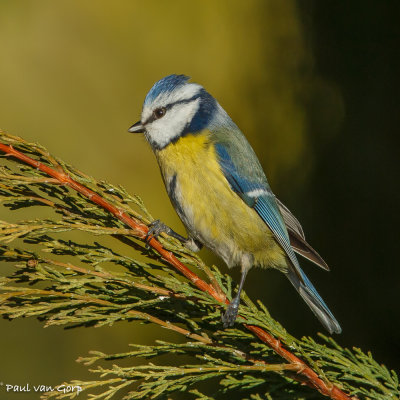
(257, 194)
(252, 186)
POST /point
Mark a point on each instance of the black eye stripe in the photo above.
(169, 106)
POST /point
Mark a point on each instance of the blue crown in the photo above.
(166, 85)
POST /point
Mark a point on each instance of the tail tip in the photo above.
(333, 327)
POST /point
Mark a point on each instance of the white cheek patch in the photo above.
(162, 131)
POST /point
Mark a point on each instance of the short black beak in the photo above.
(136, 128)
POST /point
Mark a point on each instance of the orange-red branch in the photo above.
(307, 375)
(139, 228)
(312, 379)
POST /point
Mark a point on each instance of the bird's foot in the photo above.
(156, 228)
(229, 318)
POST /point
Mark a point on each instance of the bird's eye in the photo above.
(159, 112)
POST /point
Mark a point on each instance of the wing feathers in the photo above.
(290, 220)
(284, 224)
(286, 229)
(301, 247)
(297, 238)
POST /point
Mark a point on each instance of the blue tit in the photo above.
(219, 190)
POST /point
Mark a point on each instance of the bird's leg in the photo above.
(231, 312)
(157, 227)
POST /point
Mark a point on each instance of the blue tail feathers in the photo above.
(310, 295)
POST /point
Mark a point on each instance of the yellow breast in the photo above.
(210, 210)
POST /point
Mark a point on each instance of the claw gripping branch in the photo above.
(304, 375)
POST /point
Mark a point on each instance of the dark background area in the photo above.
(314, 85)
(356, 181)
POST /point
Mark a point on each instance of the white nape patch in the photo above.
(162, 131)
(256, 193)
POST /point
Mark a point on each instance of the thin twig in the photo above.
(140, 229)
(105, 275)
(17, 292)
(306, 374)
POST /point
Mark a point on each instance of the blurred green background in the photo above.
(310, 83)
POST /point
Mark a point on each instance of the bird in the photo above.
(220, 192)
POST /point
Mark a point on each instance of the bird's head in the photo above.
(173, 108)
